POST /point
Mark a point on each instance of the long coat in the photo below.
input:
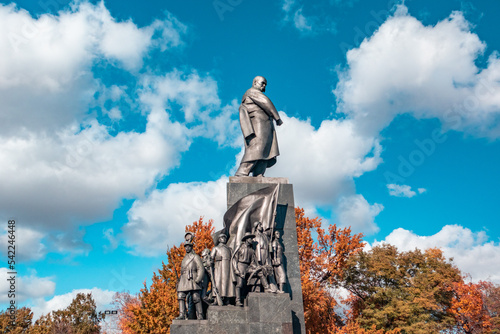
(221, 257)
(192, 271)
(257, 113)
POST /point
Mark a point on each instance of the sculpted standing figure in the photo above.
(257, 113)
(190, 281)
(262, 248)
(243, 260)
(277, 261)
(221, 258)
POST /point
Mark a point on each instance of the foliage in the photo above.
(468, 308)
(153, 310)
(411, 291)
(79, 317)
(322, 264)
(23, 318)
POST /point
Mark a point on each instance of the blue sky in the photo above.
(119, 126)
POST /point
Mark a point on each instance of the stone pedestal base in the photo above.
(265, 314)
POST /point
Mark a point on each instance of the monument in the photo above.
(254, 265)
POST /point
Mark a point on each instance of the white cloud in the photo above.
(356, 212)
(102, 298)
(302, 23)
(160, 219)
(45, 69)
(199, 103)
(84, 174)
(321, 163)
(471, 251)
(402, 190)
(428, 71)
(28, 244)
(26, 287)
(421, 190)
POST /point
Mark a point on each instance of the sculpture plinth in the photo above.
(263, 313)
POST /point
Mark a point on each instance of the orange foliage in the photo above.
(468, 308)
(155, 307)
(321, 265)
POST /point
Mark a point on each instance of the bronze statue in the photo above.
(190, 281)
(243, 258)
(262, 247)
(221, 259)
(264, 268)
(277, 261)
(257, 113)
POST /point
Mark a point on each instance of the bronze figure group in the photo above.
(255, 266)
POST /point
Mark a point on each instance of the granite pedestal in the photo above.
(264, 313)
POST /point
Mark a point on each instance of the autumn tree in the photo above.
(411, 291)
(323, 256)
(153, 310)
(491, 298)
(80, 317)
(16, 323)
(469, 309)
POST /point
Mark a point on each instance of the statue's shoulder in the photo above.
(252, 92)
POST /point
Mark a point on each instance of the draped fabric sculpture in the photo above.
(252, 262)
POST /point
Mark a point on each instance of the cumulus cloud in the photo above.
(471, 251)
(84, 174)
(159, 220)
(45, 69)
(102, 298)
(27, 287)
(356, 212)
(321, 163)
(199, 103)
(428, 71)
(28, 242)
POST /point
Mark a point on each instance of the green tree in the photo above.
(411, 291)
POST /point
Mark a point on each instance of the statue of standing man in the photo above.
(190, 280)
(257, 113)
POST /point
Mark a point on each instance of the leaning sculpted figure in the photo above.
(221, 258)
(257, 113)
(190, 281)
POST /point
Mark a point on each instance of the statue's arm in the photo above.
(265, 103)
(201, 269)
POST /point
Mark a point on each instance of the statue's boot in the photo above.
(267, 287)
(238, 297)
(199, 311)
(182, 310)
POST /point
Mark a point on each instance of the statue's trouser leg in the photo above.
(197, 303)
(245, 168)
(282, 287)
(259, 168)
(181, 297)
(239, 286)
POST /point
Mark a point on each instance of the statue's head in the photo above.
(260, 83)
(257, 226)
(248, 238)
(277, 234)
(222, 238)
(188, 247)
